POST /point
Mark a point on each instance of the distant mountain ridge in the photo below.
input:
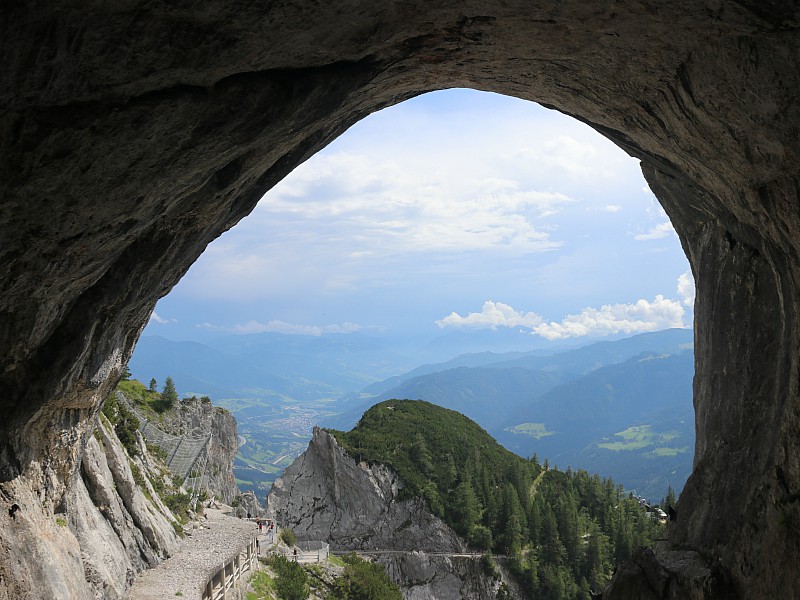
(638, 433)
(570, 402)
(633, 421)
(268, 364)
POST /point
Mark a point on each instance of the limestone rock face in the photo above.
(103, 533)
(426, 577)
(198, 417)
(669, 575)
(120, 531)
(326, 495)
(133, 133)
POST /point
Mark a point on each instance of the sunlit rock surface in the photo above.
(198, 417)
(327, 495)
(132, 134)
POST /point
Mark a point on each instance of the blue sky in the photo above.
(455, 210)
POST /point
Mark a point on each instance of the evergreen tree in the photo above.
(568, 527)
(551, 584)
(421, 455)
(153, 386)
(465, 508)
(669, 499)
(552, 551)
(535, 521)
(364, 580)
(292, 582)
(168, 395)
(512, 533)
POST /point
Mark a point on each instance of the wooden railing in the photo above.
(230, 572)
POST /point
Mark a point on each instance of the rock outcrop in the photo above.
(134, 133)
(198, 417)
(422, 576)
(121, 528)
(327, 495)
(105, 530)
(669, 575)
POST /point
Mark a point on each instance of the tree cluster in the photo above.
(364, 580)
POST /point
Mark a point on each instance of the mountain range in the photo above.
(622, 408)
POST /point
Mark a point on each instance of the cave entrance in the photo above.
(126, 160)
(458, 221)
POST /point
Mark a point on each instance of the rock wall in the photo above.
(104, 531)
(120, 530)
(425, 577)
(199, 417)
(134, 133)
(326, 495)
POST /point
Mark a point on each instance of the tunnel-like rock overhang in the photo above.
(133, 133)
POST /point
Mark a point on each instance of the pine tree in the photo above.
(512, 533)
(567, 517)
(421, 455)
(169, 396)
(466, 508)
(153, 386)
(670, 499)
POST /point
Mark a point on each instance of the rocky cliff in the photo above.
(110, 525)
(112, 522)
(325, 494)
(118, 519)
(198, 417)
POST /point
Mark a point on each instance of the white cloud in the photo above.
(493, 315)
(658, 232)
(641, 316)
(686, 288)
(155, 318)
(277, 326)
(426, 201)
(574, 156)
(404, 206)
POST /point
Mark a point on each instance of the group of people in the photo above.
(262, 523)
(269, 524)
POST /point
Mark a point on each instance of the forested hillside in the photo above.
(564, 531)
(622, 408)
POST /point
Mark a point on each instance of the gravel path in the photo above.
(200, 555)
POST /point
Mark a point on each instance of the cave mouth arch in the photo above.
(122, 161)
(444, 163)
